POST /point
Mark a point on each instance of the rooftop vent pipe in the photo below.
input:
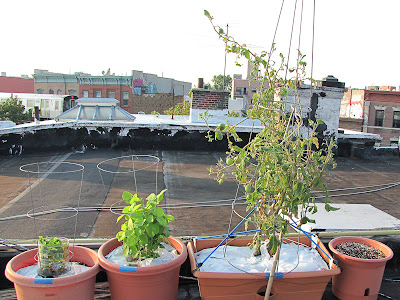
(200, 83)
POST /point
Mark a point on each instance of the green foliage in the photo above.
(219, 83)
(13, 110)
(279, 167)
(53, 256)
(145, 226)
(233, 113)
(181, 108)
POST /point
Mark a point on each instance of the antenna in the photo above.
(227, 28)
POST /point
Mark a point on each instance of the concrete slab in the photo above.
(351, 217)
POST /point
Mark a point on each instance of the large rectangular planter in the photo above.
(244, 286)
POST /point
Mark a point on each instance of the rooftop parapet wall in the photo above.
(320, 103)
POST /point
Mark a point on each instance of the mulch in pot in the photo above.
(359, 250)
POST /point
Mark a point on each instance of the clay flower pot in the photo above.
(150, 283)
(63, 288)
(244, 286)
(360, 278)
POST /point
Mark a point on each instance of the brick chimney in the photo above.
(216, 102)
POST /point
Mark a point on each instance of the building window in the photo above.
(59, 92)
(97, 94)
(379, 115)
(72, 92)
(254, 90)
(396, 119)
(111, 94)
(125, 98)
(40, 91)
(51, 91)
(85, 94)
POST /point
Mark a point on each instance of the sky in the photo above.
(356, 41)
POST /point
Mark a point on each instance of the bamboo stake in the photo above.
(272, 273)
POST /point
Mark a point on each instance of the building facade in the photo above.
(117, 87)
(16, 84)
(138, 92)
(379, 111)
(56, 83)
(245, 88)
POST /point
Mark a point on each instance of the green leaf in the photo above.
(162, 221)
(151, 198)
(306, 220)
(144, 238)
(139, 221)
(158, 211)
(130, 224)
(329, 208)
(207, 14)
(236, 148)
(272, 245)
(160, 196)
(149, 218)
(169, 217)
(126, 196)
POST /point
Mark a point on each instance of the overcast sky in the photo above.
(356, 41)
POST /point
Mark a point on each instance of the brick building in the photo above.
(377, 111)
(117, 87)
(138, 92)
(245, 88)
(16, 84)
(56, 83)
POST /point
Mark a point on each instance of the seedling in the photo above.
(53, 256)
(145, 226)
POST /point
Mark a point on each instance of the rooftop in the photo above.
(201, 207)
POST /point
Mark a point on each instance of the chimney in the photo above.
(216, 102)
(200, 83)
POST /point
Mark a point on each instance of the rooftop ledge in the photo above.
(141, 121)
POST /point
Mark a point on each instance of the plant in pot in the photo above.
(53, 256)
(363, 262)
(279, 167)
(58, 275)
(142, 236)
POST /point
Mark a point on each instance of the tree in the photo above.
(181, 108)
(219, 84)
(13, 110)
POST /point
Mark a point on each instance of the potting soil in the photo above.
(166, 254)
(293, 258)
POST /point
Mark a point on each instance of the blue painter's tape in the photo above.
(43, 280)
(277, 275)
(128, 269)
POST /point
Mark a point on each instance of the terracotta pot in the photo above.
(360, 278)
(150, 283)
(243, 286)
(62, 288)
